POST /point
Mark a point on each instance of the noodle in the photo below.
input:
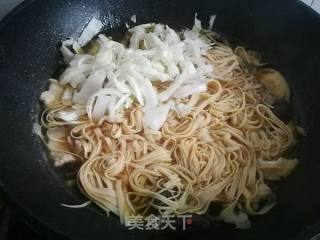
(221, 152)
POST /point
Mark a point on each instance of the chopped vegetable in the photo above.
(154, 118)
(108, 79)
(182, 109)
(67, 96)
(94, 26)
(93, 83)
(274, 82)
(134, 18)
(70, 114)
(76, 206)
(240, 219)
(190, 89)
(211, 21)
(53, 94)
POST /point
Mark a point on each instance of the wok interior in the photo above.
(272, 28)
(276, 50)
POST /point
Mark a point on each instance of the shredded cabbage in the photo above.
(154, 118)
(134, 18)
(53, 94)
(110, 80)
(211, 21)
(93, 27)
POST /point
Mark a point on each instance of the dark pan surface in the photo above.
(287, 33)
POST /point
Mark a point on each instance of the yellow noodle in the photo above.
(221, 152)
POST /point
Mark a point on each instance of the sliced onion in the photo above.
(190, 89)
(211, 21)
(129, 72)
(133, 18)
(92, 84)
(53, 94)
(93, 28)
(154, 118)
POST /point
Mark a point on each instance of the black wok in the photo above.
(287, 33)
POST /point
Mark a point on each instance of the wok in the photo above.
(286, 33)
